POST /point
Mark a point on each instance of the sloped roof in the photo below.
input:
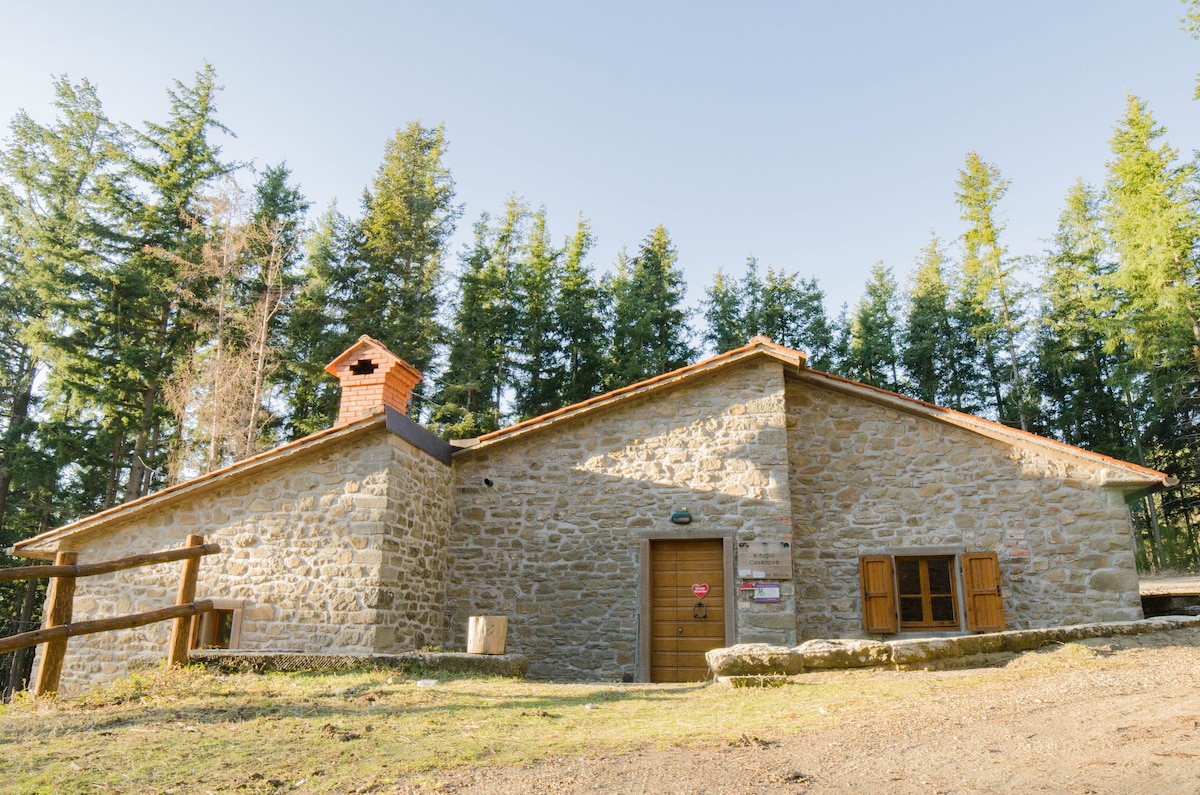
(758, 347)
(42, 545)
(1121, 475)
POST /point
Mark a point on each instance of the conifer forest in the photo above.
(165, 311)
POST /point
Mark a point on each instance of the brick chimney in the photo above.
(371, 377)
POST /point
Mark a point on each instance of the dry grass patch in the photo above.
(194, 731)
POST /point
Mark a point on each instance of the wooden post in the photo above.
(62, 600)
(487, 634)
(177, 652)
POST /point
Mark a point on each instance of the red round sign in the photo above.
(700, 589)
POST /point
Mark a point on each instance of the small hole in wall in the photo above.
(363, 367)
(488, 482)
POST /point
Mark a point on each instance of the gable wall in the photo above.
(554, 542)
(303, 544)
(866, 479)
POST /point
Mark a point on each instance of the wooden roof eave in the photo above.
(44, 545)
(1129, 479)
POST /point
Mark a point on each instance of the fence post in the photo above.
(177, 653)
(62, 600)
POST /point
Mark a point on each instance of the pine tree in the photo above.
(927, 355)
(464, 399)
(973, 379)
(987, 270)
(1076, 371)
(839, 356)
(874, 328)
(1150, 214)
(791, 311)
(650, 334)
(784, 307)
(579, 311)
(1151, 217)
(480, 372)
(536, 286)
(56, 229)
(723, 314)
(314, 330)
(157, 298)
(408, 217)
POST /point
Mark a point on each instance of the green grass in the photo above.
(194, 731)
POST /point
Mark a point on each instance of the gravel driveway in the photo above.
(1110, 715)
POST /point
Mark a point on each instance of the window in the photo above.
(925, 591)
(220, 628)
(919, 593)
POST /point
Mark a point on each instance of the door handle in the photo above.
(699, 610)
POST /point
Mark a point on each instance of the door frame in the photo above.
(642, 665)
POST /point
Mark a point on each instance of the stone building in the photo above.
(743, 498)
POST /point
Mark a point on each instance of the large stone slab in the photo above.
(764, 660)
(754, 659)
(819, 654)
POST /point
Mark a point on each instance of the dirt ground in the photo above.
(1119, 715)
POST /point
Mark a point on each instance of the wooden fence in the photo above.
(58, 626)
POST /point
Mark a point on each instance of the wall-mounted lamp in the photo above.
(681, 517)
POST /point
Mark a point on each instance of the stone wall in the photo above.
(553, 541)
(868, 479)
(303, 541)
(412, 577)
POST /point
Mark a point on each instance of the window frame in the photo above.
(205, 625)
(976, 581)
(926, 595)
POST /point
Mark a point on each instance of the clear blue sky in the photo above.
(819, 137)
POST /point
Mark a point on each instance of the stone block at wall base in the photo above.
(432, 663)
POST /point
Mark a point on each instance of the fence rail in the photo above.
(61, 596)
(108, 566)
(76, 628)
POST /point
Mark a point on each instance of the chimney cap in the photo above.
(367, 343)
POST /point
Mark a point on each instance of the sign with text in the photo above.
(771, 560)
(700, 589)
(766, 592)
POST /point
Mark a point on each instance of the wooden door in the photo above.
(682, 626)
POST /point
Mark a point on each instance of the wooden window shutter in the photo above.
(878, 593)
(981, 586)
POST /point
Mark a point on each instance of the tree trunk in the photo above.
(137, 466)
(1018, 383)
(18, 672)
(1155, 557)
(114, 470)
(135, 484)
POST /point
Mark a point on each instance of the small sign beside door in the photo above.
(766, 592)
(700, 589)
